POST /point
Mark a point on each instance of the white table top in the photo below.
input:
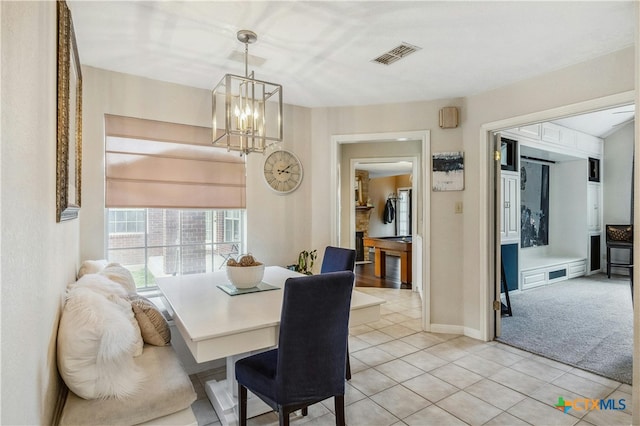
(207, 317)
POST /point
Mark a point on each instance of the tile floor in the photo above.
(402, 376)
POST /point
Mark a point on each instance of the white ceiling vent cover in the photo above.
(396, 54)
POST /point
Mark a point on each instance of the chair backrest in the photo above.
(338, 259)
(314, 327)
(619, 233)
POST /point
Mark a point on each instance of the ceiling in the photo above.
(322, 51)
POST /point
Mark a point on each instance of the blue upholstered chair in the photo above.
(309, 364)
(339, 259)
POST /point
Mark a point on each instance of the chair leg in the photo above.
(283, 416)
(347, 374)
(305, 411)
(339, 406)
(608, 262)
(242, 402)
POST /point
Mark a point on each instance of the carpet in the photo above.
(585, 322)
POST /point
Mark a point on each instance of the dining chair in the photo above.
(308, 365)
(339, 259)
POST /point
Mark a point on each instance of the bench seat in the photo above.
(164, 398)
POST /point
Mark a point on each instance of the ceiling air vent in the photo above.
(396, 54)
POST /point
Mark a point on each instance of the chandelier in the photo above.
(248, 110)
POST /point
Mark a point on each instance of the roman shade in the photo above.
(158, 164)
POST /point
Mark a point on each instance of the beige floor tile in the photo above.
(375, 337)
(479, 365)
(455, 375)
(537, 413)
(373, 356)
(549, 394)
(424, 360)
(398, 348)
(381, 323)
(368, 413)
(430, 387)
(537, 369)
(582, 386)
(360, 329)
(495, 394)
(506, 419)
(396, 317)
(595, 378)
(400, 401)
(433, 415)
(517, 381)
(356, 344)
(414, 324)
(624, 398)
(422, 340)
(608, 417)
(551, 363)
(468, 344)
(497, 354)
(357, 365)
(204, 412)
(399, 370)
(447, 351)
(371, 381)
(397, 331)
(468, 408)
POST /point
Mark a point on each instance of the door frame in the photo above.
(422, 181)
(490, 278)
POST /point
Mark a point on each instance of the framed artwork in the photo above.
(448, 171)
(69, 133)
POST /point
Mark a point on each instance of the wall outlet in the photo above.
(458, 207)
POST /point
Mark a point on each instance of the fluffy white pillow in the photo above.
(91, 267)
(115, 293)
(96, 343)
(121, 275)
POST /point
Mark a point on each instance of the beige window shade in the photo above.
(166, 165)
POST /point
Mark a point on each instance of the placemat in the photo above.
(232, 291)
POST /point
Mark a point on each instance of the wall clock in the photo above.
(282, 171)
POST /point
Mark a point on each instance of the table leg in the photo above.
(224, 396)
(405, 267)
(380, 260)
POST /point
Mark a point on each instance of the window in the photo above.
(126, 221)
(153, 243)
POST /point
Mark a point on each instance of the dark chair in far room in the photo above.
(620, 237)
(339, 259)
(309, 364)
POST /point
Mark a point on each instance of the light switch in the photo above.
(458, 208)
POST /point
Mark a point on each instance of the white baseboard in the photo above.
(456, 329)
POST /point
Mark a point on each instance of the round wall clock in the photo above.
(282, 171)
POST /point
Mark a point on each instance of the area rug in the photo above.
(585, 322)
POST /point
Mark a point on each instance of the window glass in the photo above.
(153, 243)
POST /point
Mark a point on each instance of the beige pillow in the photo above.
(153, 325)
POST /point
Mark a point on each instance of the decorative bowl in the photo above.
(245, 276)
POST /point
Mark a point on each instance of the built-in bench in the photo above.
(537, 271)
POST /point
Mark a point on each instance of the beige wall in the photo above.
(39, 256)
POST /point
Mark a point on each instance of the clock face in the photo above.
(282, 171)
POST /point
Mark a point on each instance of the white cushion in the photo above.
(121, 275)
(91, 267)
(96, 345)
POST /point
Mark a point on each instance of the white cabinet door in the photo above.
(594, 201)
(510, 207)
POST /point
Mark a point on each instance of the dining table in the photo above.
(217, 322)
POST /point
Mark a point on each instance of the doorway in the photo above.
(373, 148)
